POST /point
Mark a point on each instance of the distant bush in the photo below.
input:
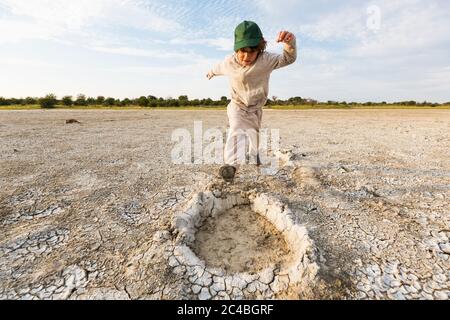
(109, 102)
(142, 101)
(126, 102)
(81, 100)
(153, 101)
(100, 100)
(184, 100)
(14, 101)
(67, 100)
(4, 102)
(91, 101)
(30, 100)
(49, 101)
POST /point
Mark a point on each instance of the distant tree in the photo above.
(81, 100)
(30, 100)
(100, 100)
(161, 102)
(4, 102)
(91, 101)
(295, 101)
(153, 103)
(67, 100)
(142, 101)
(126, 102)
(109, 101)
(150, 98)
(15, 101)
(49, 101)
(183, 100)
(223, 100)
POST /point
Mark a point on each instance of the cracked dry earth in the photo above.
(96, 210)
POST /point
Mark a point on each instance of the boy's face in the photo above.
(247, 56)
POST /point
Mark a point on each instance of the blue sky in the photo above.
(350, 50)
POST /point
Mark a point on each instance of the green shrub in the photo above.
(67, 100)
(81, 100)
(49, 101)
(109, 102)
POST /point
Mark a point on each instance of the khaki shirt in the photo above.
(250, 85)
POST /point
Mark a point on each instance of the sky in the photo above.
(353, 50)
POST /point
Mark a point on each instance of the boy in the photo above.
(249, 70)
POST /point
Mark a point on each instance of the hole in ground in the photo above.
(241, 240)
(209, 282)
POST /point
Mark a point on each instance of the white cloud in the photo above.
(154, 54)
(29, 63)
(46, 19)
(22, 30)
(222, 44)
(344, 24)
(438, 79)
(194, 70)
(63, 13)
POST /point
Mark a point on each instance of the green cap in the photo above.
(247, 34)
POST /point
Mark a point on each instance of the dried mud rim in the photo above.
(215, 283)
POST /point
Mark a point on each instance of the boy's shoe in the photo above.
(227, 172)
(258, 161)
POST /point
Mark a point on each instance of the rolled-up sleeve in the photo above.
(222, 68)
(289, 56)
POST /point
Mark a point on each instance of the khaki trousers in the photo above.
(245, 124)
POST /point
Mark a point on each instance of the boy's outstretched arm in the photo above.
(289, 55)
(219, 69)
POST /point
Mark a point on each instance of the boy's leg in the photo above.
(259, 117)
(243, 125)
(253, 136)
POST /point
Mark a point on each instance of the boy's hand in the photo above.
(210, 75)
(285, 37)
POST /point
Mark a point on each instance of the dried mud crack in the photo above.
(366, 190)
